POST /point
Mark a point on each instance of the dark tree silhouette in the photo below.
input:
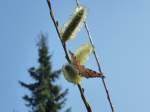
(46, 95)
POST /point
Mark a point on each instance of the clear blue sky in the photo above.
(121, 33)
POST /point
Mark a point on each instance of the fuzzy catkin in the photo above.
(71, 74)
(83, 52)
(71, 28)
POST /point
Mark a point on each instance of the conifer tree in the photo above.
(46, 95)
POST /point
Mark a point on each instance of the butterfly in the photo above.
(85, 72)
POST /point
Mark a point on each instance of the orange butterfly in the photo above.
(86, 72)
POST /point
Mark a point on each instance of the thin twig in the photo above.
(66, 53)
(97, 61)
(57, 29)
(84, 99)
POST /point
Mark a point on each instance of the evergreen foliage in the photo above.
(46, 95)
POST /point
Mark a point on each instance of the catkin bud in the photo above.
(83, 52)
(71, 74)
(71, 28)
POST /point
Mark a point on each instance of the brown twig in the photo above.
(84, 99)
(66, 53)
(97, 61)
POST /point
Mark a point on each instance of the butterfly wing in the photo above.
(86, 72)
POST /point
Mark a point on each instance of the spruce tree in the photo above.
(46, 95)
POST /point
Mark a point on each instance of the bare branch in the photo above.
(97, 61)
(66, 53)
(84, 99)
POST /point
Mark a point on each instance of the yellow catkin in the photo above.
(71, 74)
(71, 28)
(83, 53)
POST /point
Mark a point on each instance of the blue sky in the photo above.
(120, 31)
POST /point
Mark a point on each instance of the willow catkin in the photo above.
(83, 53)
(71, 74)
(71, 28)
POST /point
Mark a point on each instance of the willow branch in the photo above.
(97, 61)
(55, 22)
(84, 99)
